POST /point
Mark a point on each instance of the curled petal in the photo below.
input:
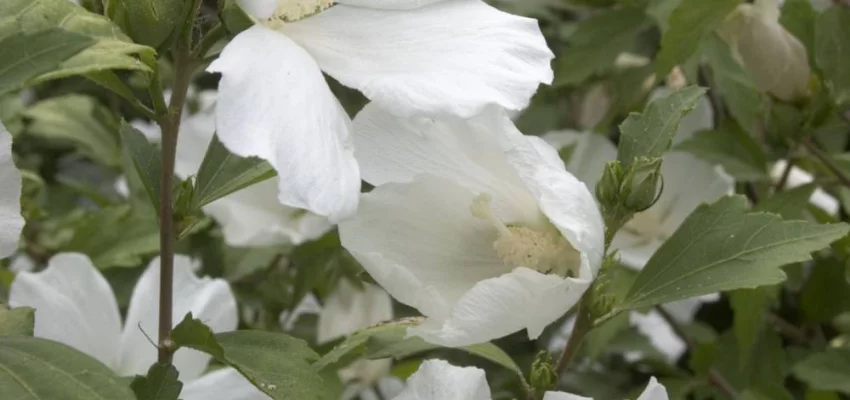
(11, 221)
(439, 380)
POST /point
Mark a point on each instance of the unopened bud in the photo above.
(608, 187)
(640, 185)
(543, 376)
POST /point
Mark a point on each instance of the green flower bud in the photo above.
(640, 185)
(543, 376)
(608, 187)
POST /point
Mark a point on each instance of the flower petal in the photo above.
(275, 104)
(389, 4)
(349, 309)
(260, 9)
(799, 177)
(74, 304)
(450, 57)
(209, 300)
(654, 391)
(497, 307)
(589, 156)
(563, 396)
(439, 380)
(254, 217)
(224, 383)
(11, 221)
(660, 334)
(689, 182)
(468, 151)
(425, 253)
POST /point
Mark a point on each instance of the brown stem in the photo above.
(582, 326)
(780, 184)
(827, 161)
(788, 329)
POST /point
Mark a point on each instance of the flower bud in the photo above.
(608, 187)
(774, 58)
(640, 190)
(543, 376)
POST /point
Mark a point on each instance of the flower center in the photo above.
(543, 250)
(294, 10)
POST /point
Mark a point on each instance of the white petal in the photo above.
(149, 129)
(563, 396)
(275, 104)
(654, 391)
(425, 253)
(589, 156)
(389, 4)
(659, 333)
(453, 56)
(224, 383)
(11, 221)
(260, 9)
(439, 380)
(209, 300)
(22, 263)
(196, 132)
(349, 309)
(562, 198)
(74, 305)
(254, 217)
(497, 307)
(307, 305)
(366, 372)
(799, 177)
(396, 149)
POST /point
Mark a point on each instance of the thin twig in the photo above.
(582, 326)
(827, 161)
(783, 179)
(787, 329)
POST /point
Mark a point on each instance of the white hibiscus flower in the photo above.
(76, 306)
(412, 57)
(251, 216)
(11, 221)
(799, 177)
(439, 380)
(477, 226)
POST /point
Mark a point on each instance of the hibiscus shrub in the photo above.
(424, 199)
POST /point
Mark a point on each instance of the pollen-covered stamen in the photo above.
(544, 250)
(294, 10)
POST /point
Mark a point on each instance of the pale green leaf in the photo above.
(798, 17)
(650, 134)
(118, 236)
(744, 101)
(832, 50)
(596, 43)
(223, 172)
(40, 369)
(194, 334)
(160, 383)
(80, 121)
(24, 56)
(732, 148)
(18, 321)
(748, 306)
(722, 246)
(826, 371)
(790, 203)
(149, 22)
(690, 23)
(146, 160)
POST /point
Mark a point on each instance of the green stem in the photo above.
(581, 328)
(212, 37)
(827, 161)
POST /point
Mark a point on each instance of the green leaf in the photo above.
(798, 17)
(732, 148)
(235, 20)
(826, 371)
(118, 236)
(223, 172)
(194, 334)
(24, 56)
(748, 306)
(78, 120)
(651, 133)
(18, 321)
(40, 369)
(789, 204)
(826, 293)
(146, 160)
(731, 81)
(111, 49)
(161, 383)
(722, 246)
(832, 50)
(690, 23)
(596, 43)
(149, 22)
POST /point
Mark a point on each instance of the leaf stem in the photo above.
(826, 160)
(581, 328)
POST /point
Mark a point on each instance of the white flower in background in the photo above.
(799, 177)
(11, 221)
(347, 310)
(413, 57)
(654, 327)
(251, 216)
(439, 380)
(773, 57)
(76, 306)
(477, 226)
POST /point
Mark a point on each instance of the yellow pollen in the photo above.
(294, 10)
(544, 250)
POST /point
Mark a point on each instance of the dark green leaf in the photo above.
(146, 158)
(731, 81)
(119, 236)
(40, 369)
(732, 148)
(826, 371)
(235, 20)
(826, 293)
(789, 204)
(149, 22)
(161, 383)
(651, 133)
(25, 56)
(748, 306)
(18, 321)
(690, 23)
(223, 172)
(194, 334)
(722, 246)
(832, 42)
(798, 17)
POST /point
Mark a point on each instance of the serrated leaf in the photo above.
(722, 246)
(24, 56)
(690, 23)
(118, 236)
(789, 204)
(18, 321)
(596, 43)
(832, 50)
(826, 371)
(78, 120)
(40, 369)
(731, 81)
(111, 48)
(194, 334)
(146, 160)
(223, 172)
(160, 383)
(650, 133)
(732, 148)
